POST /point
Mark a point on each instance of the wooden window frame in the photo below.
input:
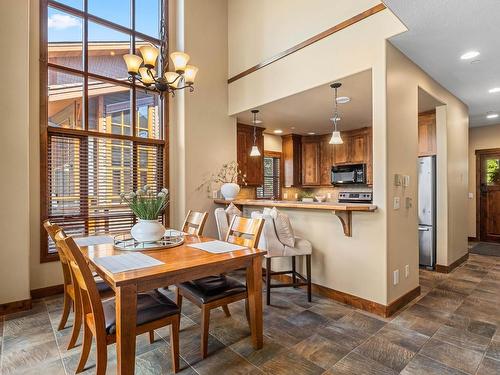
(274, 154)
(45, 130)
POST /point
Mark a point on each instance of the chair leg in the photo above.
(178, 298)
(226, 311)
(87, 343)
(205, 320)
(294, 270)
(174, 343)
(268, 281)
(308, 266)
(102, 354)
(66, 310)
(151, 337)
(77, 324)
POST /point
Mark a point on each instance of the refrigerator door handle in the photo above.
(423, 229)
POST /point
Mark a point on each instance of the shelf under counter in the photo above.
(342, 210)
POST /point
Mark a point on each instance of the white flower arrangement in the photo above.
(145, 203)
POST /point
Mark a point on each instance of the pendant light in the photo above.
(336, 138)
(255, 150)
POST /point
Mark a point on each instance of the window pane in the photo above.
(117, 11)
(147, 17)
(493, 171)
(109, 108)
(106, 50)
(65, 39)
(149, 166)
(148, 115)
(65, 99)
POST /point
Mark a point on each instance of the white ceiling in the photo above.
(310, 110)
(439, 32)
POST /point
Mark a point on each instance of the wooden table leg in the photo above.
(254, 288)
(126, 311)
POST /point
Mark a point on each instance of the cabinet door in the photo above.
(310, 163)
(326, 151)
(427, 134)
(357, 150)
(291, 154)
(341, 152)
(369, 157)
(251, 166)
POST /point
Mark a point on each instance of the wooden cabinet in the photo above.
(310, 161)
(341, 152)
(357, 151)
(427, 133)
(326, 160)
(292, 160)
(251, 166)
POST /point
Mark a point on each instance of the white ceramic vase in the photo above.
(230, 191)
(147, 230)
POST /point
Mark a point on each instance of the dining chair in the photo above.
(69, 297)
(194, 223)
(154, 310)
(220, 290)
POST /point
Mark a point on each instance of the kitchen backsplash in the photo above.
(293, 194)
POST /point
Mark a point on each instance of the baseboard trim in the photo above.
(47, 291)
(16, 306)
(355, 301)
(473, 239)
(447, 269)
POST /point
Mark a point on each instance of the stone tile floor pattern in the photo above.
(452, 328)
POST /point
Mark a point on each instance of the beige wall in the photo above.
(403, 80)
(272, 142)
(479, 138)
(14, 151)
(208, 136)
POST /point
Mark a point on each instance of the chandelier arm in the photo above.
(179, 76)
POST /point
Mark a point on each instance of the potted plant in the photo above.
(228, 176)
(147, 206)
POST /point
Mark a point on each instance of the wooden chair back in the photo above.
(194, 223)
(245, 232)
(52, 229)
(84, 281)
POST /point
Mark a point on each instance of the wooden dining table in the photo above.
(181, 263)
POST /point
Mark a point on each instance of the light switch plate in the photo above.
(407, 270)
(406, 181)
(397, 203)
(397, 180)
(471, 195)
(408, 202)
(395, 280)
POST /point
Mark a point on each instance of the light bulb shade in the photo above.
(336, 138)
(180, 60)
(254, 151)
(190, 73)
(149, 54)
(146, 78)
(171, 79)
(133, 63)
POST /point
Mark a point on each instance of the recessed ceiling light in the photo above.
(311, 133)
(293, 128)
(278, 131)
(494, 90)
(343, 99)
(469, 55)
(492, 115)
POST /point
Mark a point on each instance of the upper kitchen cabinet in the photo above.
(341, 152)
(326, 162)
(311, 159)
(427, 133)
(292, 159)
(251, 166)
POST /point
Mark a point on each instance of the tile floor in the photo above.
(450, 329)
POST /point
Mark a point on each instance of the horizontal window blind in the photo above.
(271, 187)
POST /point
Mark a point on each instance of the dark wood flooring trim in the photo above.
(355, 301)
(473, 239)
(47, 291)
(341, 26)
(447, 269)
(16, 306)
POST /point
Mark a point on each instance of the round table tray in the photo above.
(126, 242)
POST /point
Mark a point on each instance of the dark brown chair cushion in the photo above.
(102, 287)
(150, 306)
(211, 288)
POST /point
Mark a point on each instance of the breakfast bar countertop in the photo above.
(330, 206)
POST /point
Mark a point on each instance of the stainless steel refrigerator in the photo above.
(427, 210)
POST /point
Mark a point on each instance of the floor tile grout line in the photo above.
(55, 337)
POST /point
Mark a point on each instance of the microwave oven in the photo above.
(349, 174)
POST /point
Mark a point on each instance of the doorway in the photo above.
(488, 195)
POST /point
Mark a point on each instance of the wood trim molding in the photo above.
(47, 291)
(472, 239)
(341, 26)
(355, 301)
(447, 269)
(16, 306)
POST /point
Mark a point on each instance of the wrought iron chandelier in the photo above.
(143, 69)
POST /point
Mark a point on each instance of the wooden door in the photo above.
(488, 179)
(310, 161)
(341, 152)
(326, 160)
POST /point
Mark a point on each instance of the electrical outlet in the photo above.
(471, 195)
(407, 270)
(395, 275)
(285, 196)
(397, 203)
(329, 195)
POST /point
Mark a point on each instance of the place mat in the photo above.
(127, 262)
(93, 240)
(217, 247)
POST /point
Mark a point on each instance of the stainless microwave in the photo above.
(349, 174)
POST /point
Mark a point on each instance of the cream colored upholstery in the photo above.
(222, 223)
(269, 240)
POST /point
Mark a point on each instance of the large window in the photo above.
(272, 177)
(100, 133)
